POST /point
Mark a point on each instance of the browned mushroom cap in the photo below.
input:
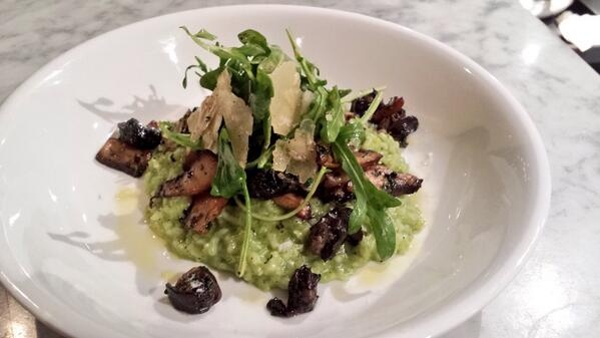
(302, 294)
(139, 136)
(392, 118)
(394, 106)
(402, 183)
(266, 184)
(291, 201)
(360, 105)
(336, 185)
(328, 234)
(396, 184)
(195, 180)
(123, 157)
(365, 158)
(195, 292)
(325, 157)
(378, 175)
(203, 210)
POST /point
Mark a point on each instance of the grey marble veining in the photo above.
(557, 294)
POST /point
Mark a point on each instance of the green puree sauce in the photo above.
(276, 248)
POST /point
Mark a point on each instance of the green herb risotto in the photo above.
(276, 249)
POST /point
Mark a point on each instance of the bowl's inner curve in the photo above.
(76, 244)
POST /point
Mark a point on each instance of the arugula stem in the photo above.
(319, 104)
(221, 51)
(355, 95)
(262, 160)
(311, 192)
(310, 76)
(179, 138)
(304, 64)
(267, 132)
(266, 152)
(247, 233)
(372, 108)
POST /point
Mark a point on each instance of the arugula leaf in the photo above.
(334, 119)
(345, 92)
(209, 79)
(201, 64)
(269, 62)
(370, 202)
(260, 102)
(384, 232)
(250, 36)
(351, 167)
(353, 132)
(204, 34)
(240, 82)
(260, 97)
(240, 59)
(230, 178)
(250, 50)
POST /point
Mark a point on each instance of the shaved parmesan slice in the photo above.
(238, 118)
(307, 98)
(281, 157)
(205, 123)
(297, 156)
(286, 102)
(221, 105)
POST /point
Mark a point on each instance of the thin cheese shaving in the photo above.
(298, 155)
(205, 122)
(221, 105)
(286, 102)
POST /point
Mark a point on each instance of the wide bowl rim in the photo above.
(450, 314)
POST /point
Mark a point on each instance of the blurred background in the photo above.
(577, 22)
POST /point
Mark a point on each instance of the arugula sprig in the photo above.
(230, 180)
(249, 65)
(371, 203)
(327, 109)
(327, 112)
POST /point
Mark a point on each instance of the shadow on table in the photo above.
(471, 329)
(43, 331)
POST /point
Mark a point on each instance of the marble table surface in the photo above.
(557, 293)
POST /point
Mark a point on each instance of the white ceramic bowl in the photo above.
(82, 260)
